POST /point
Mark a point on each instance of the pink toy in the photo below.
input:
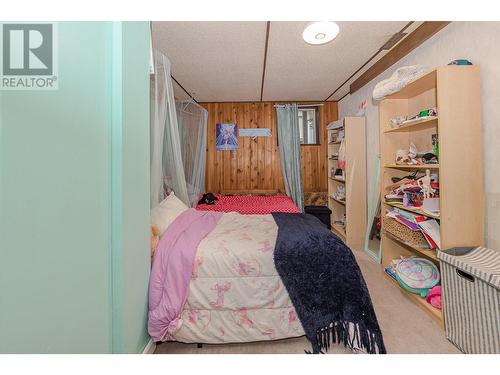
(434, 297)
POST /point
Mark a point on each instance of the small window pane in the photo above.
(307, 118)
(301, 127)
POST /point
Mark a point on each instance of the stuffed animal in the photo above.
(155, 238)
(402, 157)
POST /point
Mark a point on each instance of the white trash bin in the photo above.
(471, 298)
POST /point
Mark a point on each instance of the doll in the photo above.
(425, 184)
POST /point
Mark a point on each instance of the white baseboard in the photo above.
(150, 347)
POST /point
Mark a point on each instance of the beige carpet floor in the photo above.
(406, 328)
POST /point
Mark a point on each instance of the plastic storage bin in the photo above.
(471, 298)
(321, 212)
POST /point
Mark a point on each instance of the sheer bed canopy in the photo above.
(178, 140)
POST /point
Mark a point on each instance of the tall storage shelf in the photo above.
(455, 92)
(354, 180)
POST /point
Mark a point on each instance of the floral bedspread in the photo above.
(235, 293)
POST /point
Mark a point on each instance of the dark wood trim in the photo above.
(268, 25)
(366, 63)
(182, 87)
(299, 102)
(408, 44)
(353, 74)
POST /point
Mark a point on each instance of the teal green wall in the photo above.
(135, 141)
(73, 258)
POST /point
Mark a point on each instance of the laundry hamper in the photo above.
(471, 298)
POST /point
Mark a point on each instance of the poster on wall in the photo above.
(226, 137)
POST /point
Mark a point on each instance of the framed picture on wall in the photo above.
(226, 138)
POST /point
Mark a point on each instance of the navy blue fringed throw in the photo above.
(325, 285)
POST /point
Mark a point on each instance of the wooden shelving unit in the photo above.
(455, 91)
(354, 206)
(340, 230)
(418, 124)
(337, 179)
(415, 210)
(412, 167)
(338, 200)
(436, 314)
(429, 253)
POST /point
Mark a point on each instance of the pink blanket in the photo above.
(171, 271)
(251, 205)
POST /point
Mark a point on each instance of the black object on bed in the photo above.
(325, 285)
(208, 198)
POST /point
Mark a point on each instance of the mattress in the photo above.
(235, 293)
(251, 205)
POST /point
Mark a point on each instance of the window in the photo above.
(308, 125)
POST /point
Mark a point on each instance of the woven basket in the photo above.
(403, 233)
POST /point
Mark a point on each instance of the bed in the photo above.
(215, 280)
(235, 293)
(251, 204)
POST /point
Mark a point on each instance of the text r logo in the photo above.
(28, 56)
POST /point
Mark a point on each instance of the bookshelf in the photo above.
(412, 167)
(415, 210)
(436, 314)
(455, 92)
(354, 180)
(419, 124)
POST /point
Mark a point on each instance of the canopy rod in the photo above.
(182, 87)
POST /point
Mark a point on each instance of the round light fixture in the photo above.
(320, 32)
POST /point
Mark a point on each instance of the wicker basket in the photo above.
(403, 233)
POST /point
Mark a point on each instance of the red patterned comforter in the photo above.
(251, 205)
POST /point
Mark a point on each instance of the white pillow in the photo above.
(166, 212)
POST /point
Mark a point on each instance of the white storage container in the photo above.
(471, 298)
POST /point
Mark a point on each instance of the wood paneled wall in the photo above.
(255, 166)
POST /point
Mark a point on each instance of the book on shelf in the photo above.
(431, 206)
(430, 229)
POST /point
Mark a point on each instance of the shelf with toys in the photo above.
(422, 250)
(336, 179)
(347, 179)
(416, 210)
(435, 313)
(409, 166)
(410, 125)
(431, 168)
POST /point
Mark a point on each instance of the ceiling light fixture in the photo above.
(320, 32)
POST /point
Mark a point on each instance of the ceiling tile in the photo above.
(214, 61)
(299, 71)
(222, 61)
